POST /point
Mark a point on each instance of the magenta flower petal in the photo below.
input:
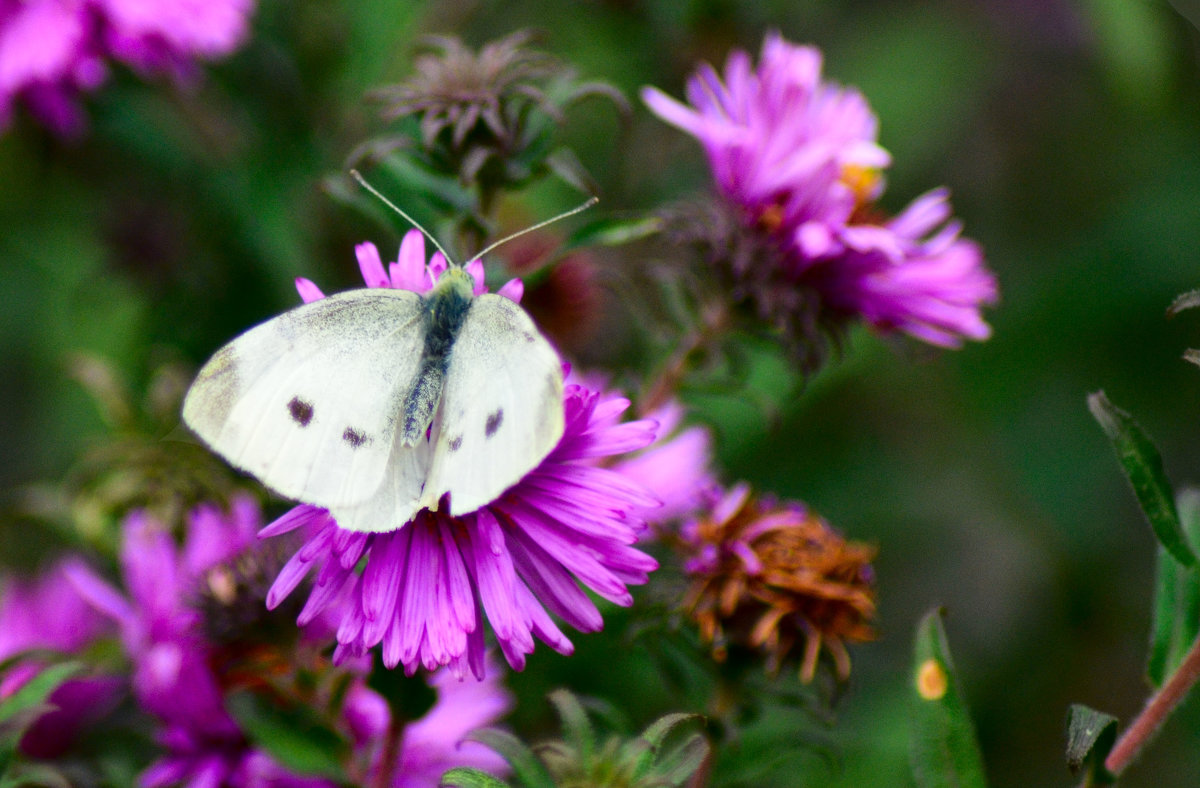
(798, 159)
(371, 266)
(425, 586)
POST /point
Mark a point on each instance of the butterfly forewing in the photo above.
(309, 401)
(502, 407)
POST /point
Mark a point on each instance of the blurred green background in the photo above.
(1069, 133)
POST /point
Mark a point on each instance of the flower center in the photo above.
(771, 217)
(862, 181)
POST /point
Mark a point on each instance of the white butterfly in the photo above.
(375, 403)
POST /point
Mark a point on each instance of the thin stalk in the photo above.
(667, 382)
(390, 757)
(1146, 724)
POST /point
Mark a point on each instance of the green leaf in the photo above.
(614, 232)
(943, 750)
(34, 774)
(463, 777)
(677, 766)
(570, 170)
(577, 730)
(293, 735)
(1143, 467)
(33, 693)
(1090, 736)
(653, 737)
(527, 769)
(1176, 620)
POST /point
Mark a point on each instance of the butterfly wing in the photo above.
(502, 406)
(309, 401)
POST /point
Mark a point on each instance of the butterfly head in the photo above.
(455, 281)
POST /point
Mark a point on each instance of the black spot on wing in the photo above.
(493, 422)
(302, 412)
(354, 437)
(528, 336)
(455, 443)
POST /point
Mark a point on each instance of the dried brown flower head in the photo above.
(775, 577)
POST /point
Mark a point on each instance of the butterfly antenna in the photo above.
(538, 226)
(363, 182)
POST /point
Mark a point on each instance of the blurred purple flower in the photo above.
(427, 585)
(162, 630)
(48, 55)
(168, 35)
(51, 51)
(46, 613)
(799, 159)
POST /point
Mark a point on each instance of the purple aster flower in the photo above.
(797, 154)
(47, 57)
(53, 50)
(168, 35)
(913, 277)
(47, 613)
(163, 632)
(797, 160)
(427, 586)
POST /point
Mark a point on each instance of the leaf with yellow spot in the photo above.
(943, 749)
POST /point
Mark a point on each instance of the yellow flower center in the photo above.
(863, 181)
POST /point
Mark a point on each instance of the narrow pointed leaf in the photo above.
(33, 693)
(1090, 736)
(653, 737)
(614, 232)
(657, 731)
(1176, 619)
(943, 749)
(570, 170)
(576, 728)
(528, 771)
(463, 777)
(1143, 467)
(677, 766)
(29, 775)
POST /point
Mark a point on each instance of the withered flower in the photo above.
(775, 577)
(487, 116)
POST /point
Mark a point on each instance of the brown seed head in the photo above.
(776, 578)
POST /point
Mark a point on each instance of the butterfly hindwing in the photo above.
(501, 411)
(309, 401)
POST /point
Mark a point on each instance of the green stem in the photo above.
(713, 323)
(1160, 706)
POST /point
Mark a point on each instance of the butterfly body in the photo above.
(444, 311)
(376, 403)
